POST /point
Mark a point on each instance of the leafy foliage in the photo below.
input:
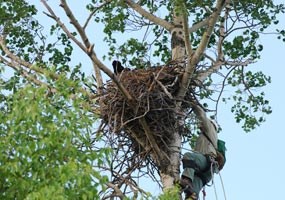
(47, 119)
(248, 104)
(46, 145)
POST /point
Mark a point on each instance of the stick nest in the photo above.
(154, 91)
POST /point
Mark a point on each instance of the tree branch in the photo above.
(84, 38)
(220, 58)
(22, 62)
(186, 34)
(118, 192)
(155, 149)
(22, 71)
(86, 47)
(199, 25)
(188, 74)
(93, 12)
(165, 24)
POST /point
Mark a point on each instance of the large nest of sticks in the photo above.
(154, 91)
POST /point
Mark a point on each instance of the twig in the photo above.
(93, 12)
(168, 26)
(92, 55)
(164, 89)
(117, 191)
(158, 154)
(135, 118)
(152, 84)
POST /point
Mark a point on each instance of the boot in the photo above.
(191, 197)
(187, 188)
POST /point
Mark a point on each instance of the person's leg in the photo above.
(197, 185)
(193, 163)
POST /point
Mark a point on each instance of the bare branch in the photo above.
(164, 89)
(186, 34)
(203, 75)
(222, 89)
(199, 25)
(220, 58)
(151, 140)
(168, 26)
(86, 47)
(52, 15)
(93, 12)
(222, 31)
(118, 192)
(84, 38)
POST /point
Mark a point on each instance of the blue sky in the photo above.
(255, 160)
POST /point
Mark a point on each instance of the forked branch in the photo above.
(195, 58)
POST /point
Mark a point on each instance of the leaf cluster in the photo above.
(46, 145)
(249, 108)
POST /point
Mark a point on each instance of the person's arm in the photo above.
(206, 125)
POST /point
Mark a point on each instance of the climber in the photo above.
(208, 157)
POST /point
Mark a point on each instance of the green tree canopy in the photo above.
(54, 138)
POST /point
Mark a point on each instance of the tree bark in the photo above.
(181, 47)
(178, 50)
(171, 173)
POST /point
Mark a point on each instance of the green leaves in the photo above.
(46, 146)
(250, 106)
(244, 46)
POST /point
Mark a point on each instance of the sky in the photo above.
(255, 160)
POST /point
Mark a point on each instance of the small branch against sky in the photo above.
(165, 24)
(93, 13)
(86, 47)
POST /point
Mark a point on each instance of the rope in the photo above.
(224, 191)
(204, 193)
(213, 164)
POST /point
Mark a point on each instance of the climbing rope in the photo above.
(224, 191)
(214, 166)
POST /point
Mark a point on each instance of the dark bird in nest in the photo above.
(117, 66)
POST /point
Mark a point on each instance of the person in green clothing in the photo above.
(208, 157)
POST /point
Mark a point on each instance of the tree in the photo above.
(214, 42)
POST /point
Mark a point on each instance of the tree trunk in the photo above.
(171, 173)
(178, 50)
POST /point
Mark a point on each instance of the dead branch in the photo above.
(84, 38)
